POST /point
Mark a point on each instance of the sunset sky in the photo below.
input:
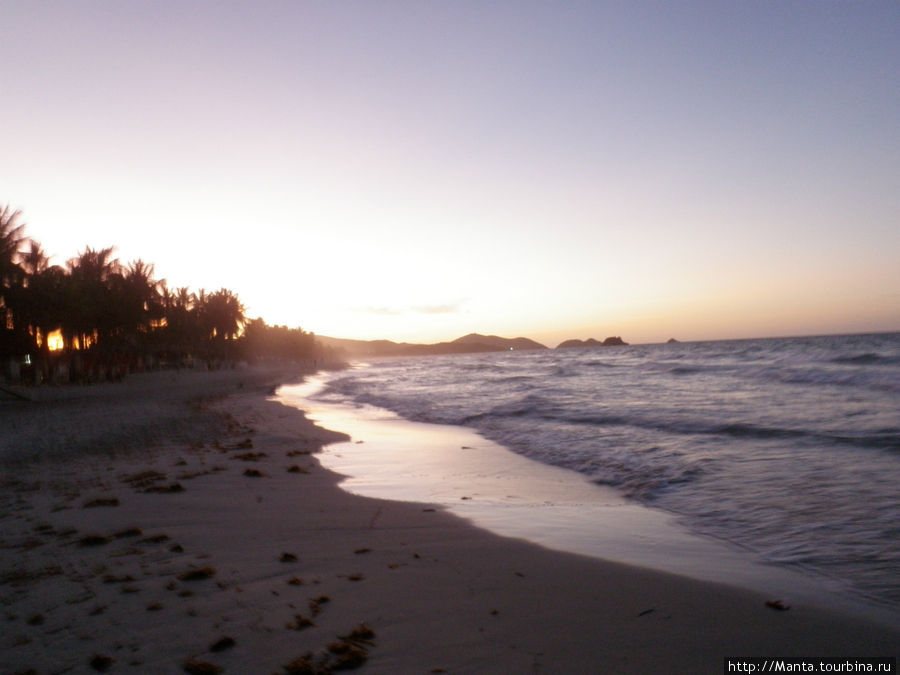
(421, 170)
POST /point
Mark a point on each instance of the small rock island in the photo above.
(614, 341)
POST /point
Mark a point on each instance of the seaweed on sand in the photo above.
(93, 540)
(222, 644)
(101, 663)
(165, 489)
(101, 501)
(299, 623)
(197, 574)
(197, 667)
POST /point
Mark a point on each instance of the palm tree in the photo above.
(47, 292)
(142, 305)
(11, 276)
(41, 305)
(33, 262)
(180, 334)
(11, 236)
(89, 312)
(139, 297)
(221, 316)
(224, 313)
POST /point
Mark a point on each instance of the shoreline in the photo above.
(437, 593)
(488, 485)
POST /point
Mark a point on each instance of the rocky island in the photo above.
(614, 341)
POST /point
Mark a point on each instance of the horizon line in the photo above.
(678, 341)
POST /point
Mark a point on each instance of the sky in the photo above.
(417, 171)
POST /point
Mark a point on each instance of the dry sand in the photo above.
(208, 535)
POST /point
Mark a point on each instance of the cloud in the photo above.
(382, 311)
(450, 308)
(437, 309)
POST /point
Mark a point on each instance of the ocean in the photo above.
(787, 449)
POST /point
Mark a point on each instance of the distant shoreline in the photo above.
(475, 343)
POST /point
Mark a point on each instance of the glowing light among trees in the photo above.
(55, 341)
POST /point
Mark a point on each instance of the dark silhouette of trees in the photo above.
(180, 329)
(12, 234)
(261, 341)
(90, 308)
(115, 318)
(221, 314)
(39, 300)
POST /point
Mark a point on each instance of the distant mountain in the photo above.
(614, 341)
(490, 343)
(467, 344)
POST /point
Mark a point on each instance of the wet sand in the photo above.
(215, 539)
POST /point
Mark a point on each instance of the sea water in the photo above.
(786, 449)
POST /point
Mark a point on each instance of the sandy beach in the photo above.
(182, 523)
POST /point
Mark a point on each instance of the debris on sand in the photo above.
(299, 623)
(143, 479)
(249, 456)
(197, 574)
(198, 667)
(165, 489)
(100, 663)
(348, 656)
(362, 633)
(348, 652)
(154, 539)
(222, 644)
(315, 604)
(118, 579)
(101, 501)
(128, 532)
(93, 540)
(297, 453)
(302, 665)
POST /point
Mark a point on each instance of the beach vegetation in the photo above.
(97, 318)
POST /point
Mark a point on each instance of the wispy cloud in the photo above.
(452, 308)
(448, 308)
(382, 311)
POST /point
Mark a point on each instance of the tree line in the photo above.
(97, 318)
